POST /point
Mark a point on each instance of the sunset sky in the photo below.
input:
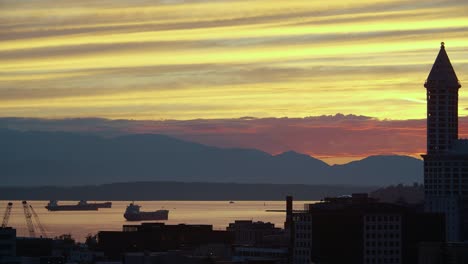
(217, 62)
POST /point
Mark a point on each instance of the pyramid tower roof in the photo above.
(442, 71)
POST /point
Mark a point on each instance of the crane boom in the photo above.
(28, 216)
(38, 222)
(6, 215)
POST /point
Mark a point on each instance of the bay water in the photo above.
(81, 223)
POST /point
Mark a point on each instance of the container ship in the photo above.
(133, 213)
(80, 206)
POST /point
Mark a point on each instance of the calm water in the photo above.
(80, 223)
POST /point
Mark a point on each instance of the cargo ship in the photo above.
(103, 205)
(133, 213)
(80, 206)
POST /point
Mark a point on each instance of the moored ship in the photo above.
(103, 205)
(80, 206)
(133, 213)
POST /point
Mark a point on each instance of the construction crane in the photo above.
(6, 216)
(36, 217)
(28, 216)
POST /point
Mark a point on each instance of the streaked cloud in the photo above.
(224, 59)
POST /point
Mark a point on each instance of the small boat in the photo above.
(81, 206)
(133, 213)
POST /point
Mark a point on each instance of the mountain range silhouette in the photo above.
(65, 159)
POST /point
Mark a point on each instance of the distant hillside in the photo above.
(179, 191)
(381, 170)
(400, 193)
(59, 158)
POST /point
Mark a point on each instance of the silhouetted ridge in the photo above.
(381, 159)
(179, 191)
(393, 169)
(299, 158)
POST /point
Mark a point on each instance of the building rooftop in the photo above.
(250, 224)
(357, 202)
(155, 226)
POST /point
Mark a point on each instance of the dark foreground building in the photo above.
(27, 250)
(247, 232)
(359, 229)
(443, 253)
(158, 237)
(7, 245)
(258, 242)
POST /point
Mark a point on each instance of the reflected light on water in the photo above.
(81, 223)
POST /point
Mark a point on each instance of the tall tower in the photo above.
(446, 161)
(442, 105)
